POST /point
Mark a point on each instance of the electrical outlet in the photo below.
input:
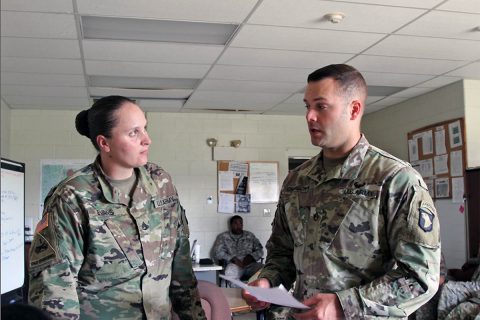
(267, 212)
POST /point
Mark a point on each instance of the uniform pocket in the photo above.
(125, 244)
(356, 241)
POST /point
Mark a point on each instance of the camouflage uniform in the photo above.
(97, 254)
(229, 245)
(460, 299)
(366, 230)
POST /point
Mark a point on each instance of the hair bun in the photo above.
(81, 123)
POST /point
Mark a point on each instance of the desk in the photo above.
(208, 272)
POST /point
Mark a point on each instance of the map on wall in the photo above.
(54, 171)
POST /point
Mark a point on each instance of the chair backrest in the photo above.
(214, 302)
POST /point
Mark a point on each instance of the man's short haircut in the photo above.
(235, 217)
(350, 80)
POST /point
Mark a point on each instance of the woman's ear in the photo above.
(103, 143)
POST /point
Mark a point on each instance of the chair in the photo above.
(214, 302)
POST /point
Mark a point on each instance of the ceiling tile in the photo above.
(39, 6)
(310, 14)
(280, 58)
(259, 74)
(40, 48)
(444, 24)
(471, 71)
(426, 4)
(146, 69)
(150, 51)
(206, 10)
(237, 100)
(47, 101)
(250, 86)
(472, 6)
(393, 79)
(403, 65)
(268, 37)
(411, 92)
(44, 91)
(38, 25)
(429, 48)
(438, 82)
(136, 93)
(40, 79)
(61, 66)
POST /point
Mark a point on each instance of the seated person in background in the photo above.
(239, 249)
(461, 299)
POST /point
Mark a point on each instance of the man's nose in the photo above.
(311, 115)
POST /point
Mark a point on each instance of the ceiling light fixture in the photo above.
(335, 17)
(212, 142)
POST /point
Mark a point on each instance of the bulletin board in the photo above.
(437, 152)
(241, 183)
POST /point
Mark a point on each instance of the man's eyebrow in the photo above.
(316, 99)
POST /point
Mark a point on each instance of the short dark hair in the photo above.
(100, 119)
(235, 217)
(350, 80)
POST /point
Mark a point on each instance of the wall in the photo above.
(472, 121)
(5, 129)
(388, 130)
(179, 145)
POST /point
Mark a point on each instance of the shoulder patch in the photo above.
(43, 251)
(425, 219)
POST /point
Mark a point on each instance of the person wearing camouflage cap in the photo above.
(355, 234)
(113, 240)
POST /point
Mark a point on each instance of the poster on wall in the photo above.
(52, 171)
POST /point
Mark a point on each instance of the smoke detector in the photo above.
(335, 17)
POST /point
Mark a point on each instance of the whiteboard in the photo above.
(12, 266)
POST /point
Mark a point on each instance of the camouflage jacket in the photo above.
(228, 246)
(366, 230)
(97, 254)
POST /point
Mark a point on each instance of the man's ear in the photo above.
(103, 143)
(356, 110)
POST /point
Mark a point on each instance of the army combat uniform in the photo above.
(366, 230)
(99, 254)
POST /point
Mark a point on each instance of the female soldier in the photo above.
(113, 240)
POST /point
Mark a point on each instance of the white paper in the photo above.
(273, 295)
(225, 181)
(424, 167)
(226, 202)
(457, 190)
(441, 164)
(427, 142)
(455, 134)
(456, 163)
(413, 150)
(238, 168)
(440, 147)
(263, 182)
(442, 188)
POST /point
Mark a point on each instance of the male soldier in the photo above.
(355, 229)
(239, 249)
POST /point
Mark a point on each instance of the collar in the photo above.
(145, 184)
(348, 170)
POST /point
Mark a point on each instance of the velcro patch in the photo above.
(164, 201)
